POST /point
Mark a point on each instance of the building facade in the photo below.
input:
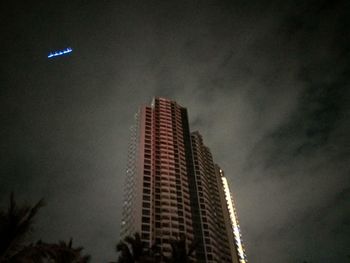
(175, 190)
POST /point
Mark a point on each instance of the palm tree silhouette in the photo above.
(133, 250)
(63, 252)
(179, 251)
(15, 224)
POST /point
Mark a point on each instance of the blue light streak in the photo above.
(60, 52)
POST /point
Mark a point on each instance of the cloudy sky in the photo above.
(265, 82)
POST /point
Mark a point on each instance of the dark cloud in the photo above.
(266, 83)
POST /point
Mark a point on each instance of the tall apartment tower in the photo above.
(175, 190)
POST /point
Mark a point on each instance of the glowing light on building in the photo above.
(234, 222)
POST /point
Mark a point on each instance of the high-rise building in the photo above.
(175, 190)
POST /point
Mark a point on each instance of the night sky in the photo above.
(265, 82)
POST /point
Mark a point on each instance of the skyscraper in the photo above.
(175, 190)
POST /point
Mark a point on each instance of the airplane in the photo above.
(60, 52)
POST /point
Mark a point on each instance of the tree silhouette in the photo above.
(15, 224)
(133, 250)
(64, 252)
(179, 252)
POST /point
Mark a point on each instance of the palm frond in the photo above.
(15, 224)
